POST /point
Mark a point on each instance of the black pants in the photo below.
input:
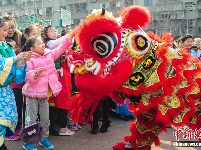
(19, 103)
(102, 109)
(61, 118)
(74, 87)
(58, 116)
(52, 116)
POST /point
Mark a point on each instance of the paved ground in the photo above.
(84, 140)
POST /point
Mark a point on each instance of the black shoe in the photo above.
(128, 146)
(3, 147)
(95, 128)
(129, 149)
(123, 118)
(53, 132)
(105, 126)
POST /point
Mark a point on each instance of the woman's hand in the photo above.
(20, 56)
(27, 56)
(23, 57)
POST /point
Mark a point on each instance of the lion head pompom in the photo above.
(134, 16)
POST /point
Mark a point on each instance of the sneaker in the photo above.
(46, 144)
(72, 127)
(78, 126)
(12, 137)
(17, 133)
(65, 131)
(29, 146)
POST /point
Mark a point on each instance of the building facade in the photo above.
(176, 16)
(50, 11)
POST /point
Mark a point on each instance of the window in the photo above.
(93, 1)
(199, 30)
(113, 5)
(64, 7)
(147, 2)
(128, 2)
(165, 16)
(191, 23)
(9, 2)
(76, 7)
(39, 11)
(180, 15)
(76, 21)
(73, 7)
(83, 7)
(49, 10)
(189, 6)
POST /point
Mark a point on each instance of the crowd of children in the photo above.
(10, 63)
(33, 77)
(42, 80)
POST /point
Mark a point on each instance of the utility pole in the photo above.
(53, 9)
(43, 12)
(34, 14)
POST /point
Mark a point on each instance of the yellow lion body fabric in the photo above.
(119, 58)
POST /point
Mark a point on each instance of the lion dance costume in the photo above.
(117, 58)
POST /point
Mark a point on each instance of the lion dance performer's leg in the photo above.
(145, 131)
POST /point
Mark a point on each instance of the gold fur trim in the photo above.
(180, 116)
(145, 143)
(169, 103)
(195, 118)
(142, 129)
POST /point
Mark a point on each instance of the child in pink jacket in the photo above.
(59, 105)
(41, 78)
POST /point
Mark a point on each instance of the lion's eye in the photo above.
(104, 44)
(137, 44)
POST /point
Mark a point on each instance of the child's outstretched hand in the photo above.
(23, 57)
(28, 55)
(38, 73)
(20, 56)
